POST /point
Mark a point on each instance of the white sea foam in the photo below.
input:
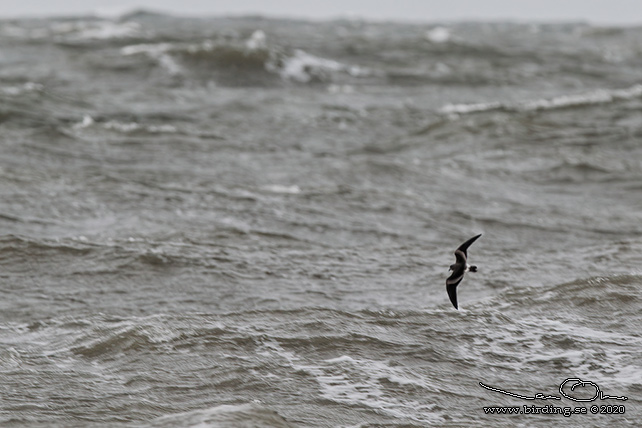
(102, 30)
(355, 381)
(247, 414)
(470, 108)
(599, 96)
(161, 52)
(125, 127)
(122, 127)
(86, 122)
(626, 374)
(278, 188)
(21, 89)
(77, 30)
(257, 41)
(303, 67)
(162, 129)
(438, 35)
(146, 48)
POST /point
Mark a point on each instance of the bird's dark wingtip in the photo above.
(452, 294)
(464, 247)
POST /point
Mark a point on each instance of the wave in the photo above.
(618, 290)
(364, 382)
(599, 96)
(103, 337)
(308, 330)
(75, 30)
(245, 61)
(225, 415)
(35, 105)
(581, 171)
(300, 66)
(125, 127)
(20, 90)
(18, 246)
(591, 296)
(439, 34)
(97, 30)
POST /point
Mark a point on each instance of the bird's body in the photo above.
(459, 268)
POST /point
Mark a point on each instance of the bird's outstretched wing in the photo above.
(454, 279)
(458, 274)
(452, 291)
(460, 258)
(463, 247)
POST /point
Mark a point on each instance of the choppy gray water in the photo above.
(248, 222)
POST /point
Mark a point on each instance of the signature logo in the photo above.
(571, 383)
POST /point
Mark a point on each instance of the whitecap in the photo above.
(159, 52)
(350, 380)
(470, 108)
(247, 414)
(86, 122)
(21, 89)
(303, 67)
(122, 127)
(162, 129)
(438, 35)
(278, 188)
(256, 41)
(151, 49)
(97, 30)
(598, 96)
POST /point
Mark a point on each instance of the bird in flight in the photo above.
(460, 267)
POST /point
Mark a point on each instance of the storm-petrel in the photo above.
(460, 267)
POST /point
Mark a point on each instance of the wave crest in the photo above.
(599, 96)
(239, 61)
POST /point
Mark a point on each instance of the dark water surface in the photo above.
(248, 222)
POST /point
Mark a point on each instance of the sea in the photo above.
(241, 221)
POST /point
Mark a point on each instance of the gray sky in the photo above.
(595, 11)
